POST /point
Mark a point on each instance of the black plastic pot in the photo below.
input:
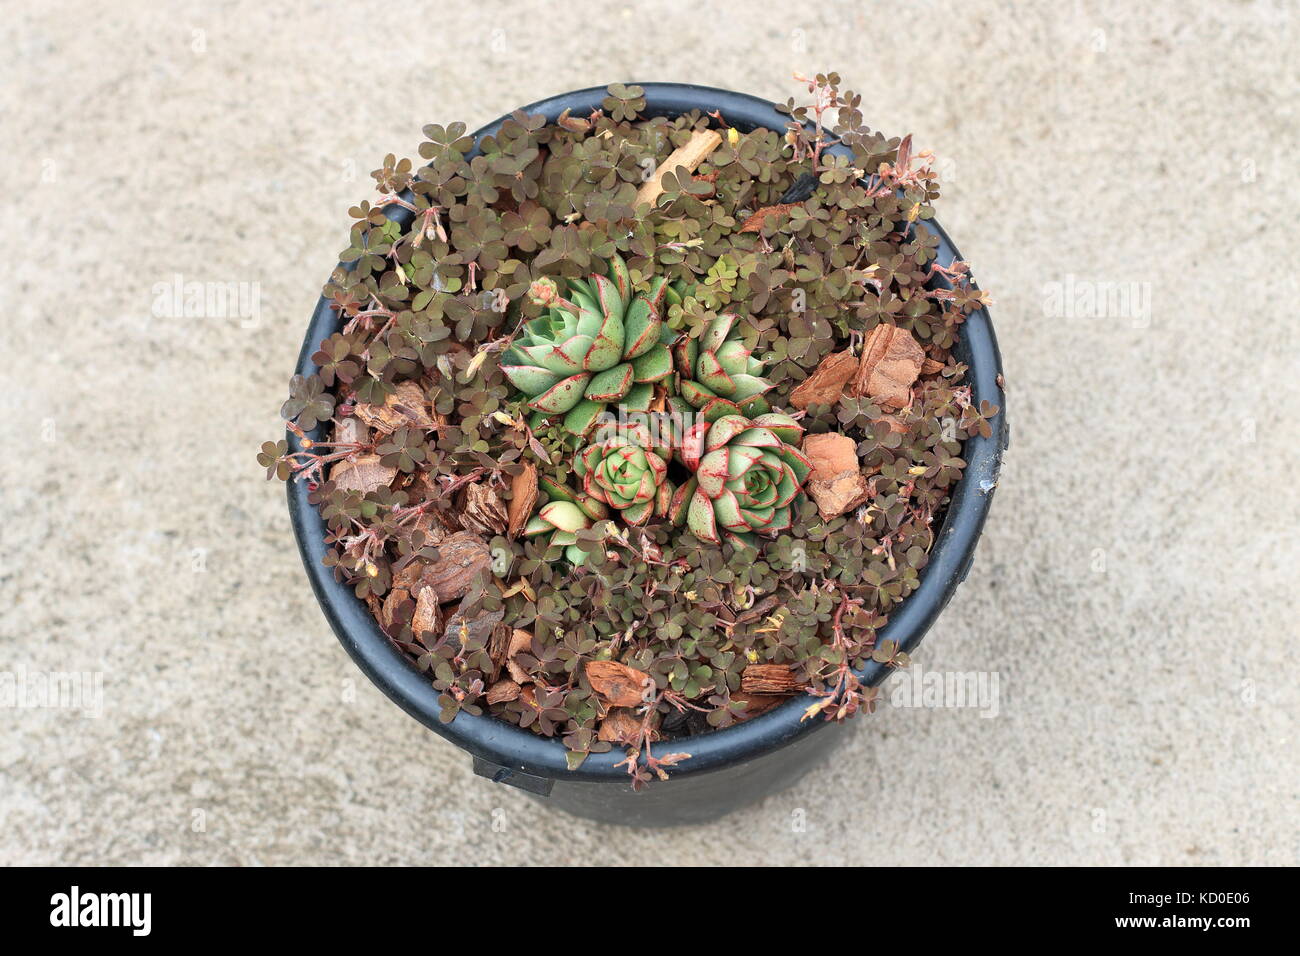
(727, 768)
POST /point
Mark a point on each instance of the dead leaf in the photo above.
(523, 498)
(904, 157)
(891, 361)
(826, 384)
(363, 473)
(618, 684)
(755, 222)
(574, 124)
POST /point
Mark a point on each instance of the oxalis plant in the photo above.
(640, 426)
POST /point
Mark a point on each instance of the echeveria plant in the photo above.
(627, 471)
(745, 476)
(561, 516)
(595, 344)
(717, 374)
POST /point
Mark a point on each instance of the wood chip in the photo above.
(520, 640)
(931, 366)
(711, 179)
(891, 361)
(408, 576)
(405, 407)
(835, 496)
(623, 726)
(352, 429)
(701, 143)
(392, 601)
(434, 522)
(836, 482)
(483, 510)
(768, 679)
(463, 629)
(755, 222)
(460, 557)
(428, 615)
(826, 384)
(502, 691)
(831, 454)
(760, 609)
(618, 684)
(364, 473)
(523, 498)
(758, 704)
(497, 647)
(896, 424)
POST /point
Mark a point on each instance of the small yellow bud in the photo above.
(733, 136)
(751, 655)
(917, 470)
(372, 571)
(307, 443)
(812, 710)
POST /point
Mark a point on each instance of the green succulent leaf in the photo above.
(563, 395)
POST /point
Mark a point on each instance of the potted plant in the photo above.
(640, 434)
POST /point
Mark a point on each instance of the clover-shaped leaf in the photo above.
(271, 457)
(308, 403)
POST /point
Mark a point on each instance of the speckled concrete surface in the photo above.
(1135, 593)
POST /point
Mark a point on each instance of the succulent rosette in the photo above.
(628, 472)
(596, 343)
(717, 374)
(562, 516)
(746, 475)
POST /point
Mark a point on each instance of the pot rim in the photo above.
(506, 745)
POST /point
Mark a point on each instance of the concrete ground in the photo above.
(1135, 593)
